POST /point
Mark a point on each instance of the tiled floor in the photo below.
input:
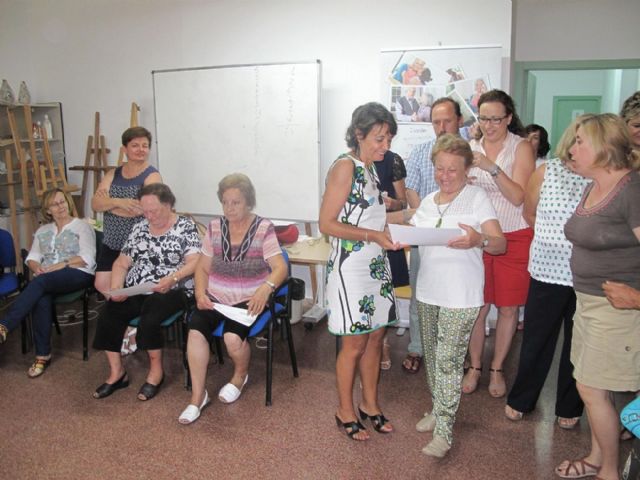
(51, 428)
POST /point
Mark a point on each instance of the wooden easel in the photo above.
(11, 184)
(95, 161)
(132, 123)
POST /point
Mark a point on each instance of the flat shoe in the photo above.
(577, 469)
(107, 389)
(437, 447)
(411, 363)
(38, 367)
(426, 423)
(149, 390)
(192, 412)
(512, 414)
(568, 423)
(230, 393)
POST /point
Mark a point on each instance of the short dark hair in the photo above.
(135, 132)
(364, 118)
(505, 99)
(160, 190)
(456, 105)
(543, 147)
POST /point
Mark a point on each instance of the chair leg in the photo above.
(55, 319)
(85, 326)
(219, 350)
(292, 350)
(25, 333)
(269, 363)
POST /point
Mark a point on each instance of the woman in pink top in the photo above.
(240, 265)
(503, 163)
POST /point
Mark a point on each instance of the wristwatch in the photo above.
(485, 243)
(495, 171)
(66, 262)
(271, 284)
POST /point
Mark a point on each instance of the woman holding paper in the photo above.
(359, 284)
(62, 259)
(240, 265)
(449, 289)
(161, 249)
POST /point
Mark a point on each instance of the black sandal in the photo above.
(107, 389)
(351, 428)
(149, 390)
(377, 421)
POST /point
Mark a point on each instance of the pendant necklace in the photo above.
(441, 213)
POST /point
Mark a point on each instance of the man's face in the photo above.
(444, 119)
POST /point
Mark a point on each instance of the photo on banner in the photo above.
(412, 79)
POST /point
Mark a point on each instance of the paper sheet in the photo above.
(135, 290)
(240, 315)
(422, 235)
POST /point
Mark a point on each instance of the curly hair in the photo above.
(631, 107)
(364, 118)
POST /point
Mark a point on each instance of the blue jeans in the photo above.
(37, 299)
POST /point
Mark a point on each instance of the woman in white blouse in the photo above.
(62, 259)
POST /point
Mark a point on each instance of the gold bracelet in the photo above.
(175, 278)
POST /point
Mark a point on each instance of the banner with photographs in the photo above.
(413, 79)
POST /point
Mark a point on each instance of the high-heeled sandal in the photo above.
(351, 428)
(386, 352)
(470, 386)
(4, 332)
(378, 421)
(498, 388)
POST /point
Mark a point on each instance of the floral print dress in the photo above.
(359, 286)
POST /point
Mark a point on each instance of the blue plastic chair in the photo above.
(9, 281)
(279, 312)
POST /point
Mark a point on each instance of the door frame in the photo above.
(522, 78)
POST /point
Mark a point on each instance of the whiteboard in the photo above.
(260, 120)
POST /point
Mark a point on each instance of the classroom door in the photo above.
(566, 109)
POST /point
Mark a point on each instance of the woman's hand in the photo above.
(471, 239)
(116, 298)
(130, 205)
(203, 301)
(482, 162)
(259, 300)
(164, 285)
(383, 239)
(621, 296)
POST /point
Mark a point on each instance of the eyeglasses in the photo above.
(58, 204)
(492, 120)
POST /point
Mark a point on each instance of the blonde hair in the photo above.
(47, 198)
(568, 138)
(610, 140)
(631, 107)
(454, 145)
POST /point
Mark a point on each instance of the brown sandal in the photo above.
(577, 469)
(38, 367)
(411, 363)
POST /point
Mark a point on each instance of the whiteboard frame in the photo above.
(318, 62)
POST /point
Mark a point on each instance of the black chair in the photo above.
(279, 313)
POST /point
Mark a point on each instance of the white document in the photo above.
(422, 235)
(240, 315)
(135, 290)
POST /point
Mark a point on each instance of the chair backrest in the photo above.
(7, 253)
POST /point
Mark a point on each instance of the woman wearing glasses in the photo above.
(503, 163)
(62, 259)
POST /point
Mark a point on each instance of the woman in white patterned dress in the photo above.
(359, 287)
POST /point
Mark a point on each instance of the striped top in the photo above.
(116, 228)
(550, 251)
(238, 270)
(509, 216)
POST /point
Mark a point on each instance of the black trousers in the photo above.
(152, 309)
(548, 308)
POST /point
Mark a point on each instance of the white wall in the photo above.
(548, 30)
(97, 55)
